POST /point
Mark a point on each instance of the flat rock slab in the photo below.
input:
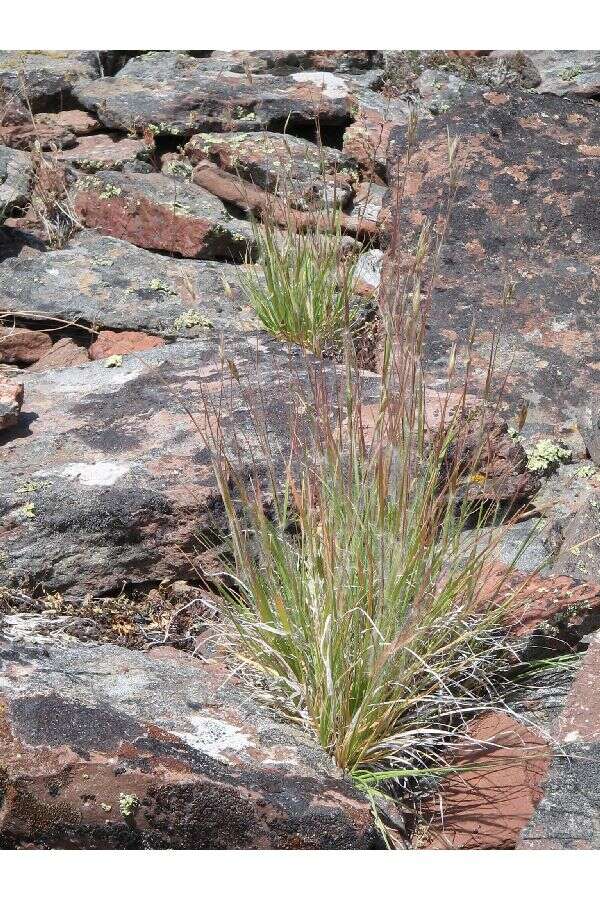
(114, 463)
(173, 94)
(158, 212)
(106, 748)
(287, 166)
(102, 282)
(94, 152)
(568, 815)
(16, 173)
(525, 211)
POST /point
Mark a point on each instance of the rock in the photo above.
(568, 814)
(16, 172)
(555, 606)
(287, 166)
(107, 748)
(579, 554)
(440, 90)
(26, 136)
(63, 354)
(367, 273)
(172, 94)
(109, 343)
(101, 282)
(366, 139)
(95, 152)
(77, 121)
(286, 61)
(11, 399)
(495, 465)
(160, 213)
(485, 808)
(588, 421)
(46, 77)
(367, 204)
(23, 345)
(125, 492)
(525, 210)
(574, 73)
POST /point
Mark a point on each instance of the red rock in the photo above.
(160, 213)
(63, 354)
(78, 121)
(23, 345)
(486, 808)
(109, 343)
(558, 603)
(11, 398)
(100, 151)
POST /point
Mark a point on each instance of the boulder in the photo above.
(285, 61)
(287, 166)
(107, 748)
(94, 152)
(172, 94)
(45, 78)
(571, 73)
(525, 211)
(23, 346)
(16, 173)
(118, 479)
(101, 282)
(568, 814)
(161, 213)
(11, 400)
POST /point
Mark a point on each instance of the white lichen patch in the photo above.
(100, 474)
(331, 85)
(215, 737)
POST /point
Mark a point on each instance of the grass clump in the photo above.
(302, 288)
(353, 596)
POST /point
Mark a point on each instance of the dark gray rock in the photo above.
(115, 464)
(173, 94)
(579, 554)
(45, 78)
(525, 212)
(106, 283)
(106, 748)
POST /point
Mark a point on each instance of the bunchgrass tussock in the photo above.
(302, 287)
(353, 596)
